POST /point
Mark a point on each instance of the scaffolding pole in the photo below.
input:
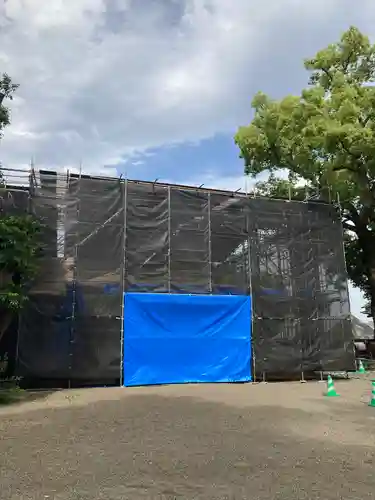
(209, 245)
(97, 229)
(123, 281)
(169, 240)
(74, 280)
(249, 267)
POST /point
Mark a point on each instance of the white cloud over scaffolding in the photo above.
(101, 79)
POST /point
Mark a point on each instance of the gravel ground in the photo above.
(266, 441)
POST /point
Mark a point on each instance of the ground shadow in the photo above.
(152, 446)
(15, 395)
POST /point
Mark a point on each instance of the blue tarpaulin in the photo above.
(173, 338)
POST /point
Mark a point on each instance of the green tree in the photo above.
(19, 237)
(7, 89)
(326, 138)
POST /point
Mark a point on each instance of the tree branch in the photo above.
(365, 121)
(353, 212)
(328, 75)
(348, 227)
(345, 64)
(274, 151)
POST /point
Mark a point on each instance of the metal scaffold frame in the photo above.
(74, 283)
(179, 227)
(123, 282)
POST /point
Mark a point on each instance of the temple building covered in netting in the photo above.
(147, 283)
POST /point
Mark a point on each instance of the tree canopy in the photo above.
(19, 236)
(323, 141)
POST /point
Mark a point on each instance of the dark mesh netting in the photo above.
(104, 237)
(300, 298)
(189, 242)
(229, 245)
(147, 242)
(72, 325)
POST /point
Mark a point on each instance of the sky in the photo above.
(155, 89)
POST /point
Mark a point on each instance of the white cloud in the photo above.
(105, 79)
(101, 79)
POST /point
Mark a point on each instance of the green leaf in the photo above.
(325, 137)
(19, 250)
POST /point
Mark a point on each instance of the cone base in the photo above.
(331, 395)
(361, 373)
(372, 404)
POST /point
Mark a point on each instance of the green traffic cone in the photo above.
(361, 368)
(331, 391)
(372, 402)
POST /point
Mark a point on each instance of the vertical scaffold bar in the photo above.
(314, 318)
(74, 277)
(169, 241)
(302, 314)
(249, 270)
(123, 280)
(209, 244)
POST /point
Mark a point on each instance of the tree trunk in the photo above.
(367, 242)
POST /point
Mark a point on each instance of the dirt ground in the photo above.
(253, 441)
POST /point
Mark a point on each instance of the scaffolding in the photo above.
(103, 237)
